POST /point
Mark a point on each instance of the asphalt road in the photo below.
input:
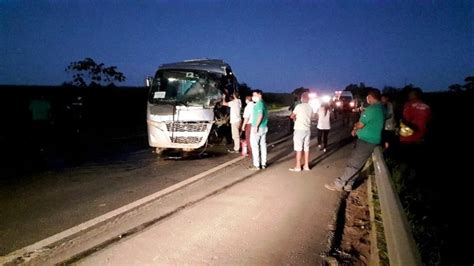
(36, 206)
(45, 204)
(271, 216)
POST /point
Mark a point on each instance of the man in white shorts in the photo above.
(302, 134)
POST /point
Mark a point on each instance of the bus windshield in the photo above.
(186, 87)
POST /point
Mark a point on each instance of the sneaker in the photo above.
(306, 169)
(232, 151)
(319, 147)
(333, 187)
(295, 169)
(263, 167)
(325, 150)
(253, 168)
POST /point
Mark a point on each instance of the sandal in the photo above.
(295, 169)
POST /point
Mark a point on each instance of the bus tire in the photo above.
(158, 151)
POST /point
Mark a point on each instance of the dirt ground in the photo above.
(355, 244)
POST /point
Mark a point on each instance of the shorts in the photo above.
(301, 140)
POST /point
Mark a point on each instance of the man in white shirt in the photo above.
(302, 134)
(235, 106)
(247, 124)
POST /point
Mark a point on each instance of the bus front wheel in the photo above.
(159, 151)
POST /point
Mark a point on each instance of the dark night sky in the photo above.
(272, 45)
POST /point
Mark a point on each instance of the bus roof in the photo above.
(210, 65)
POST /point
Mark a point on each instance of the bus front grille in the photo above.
(186, 126)
(186, 140)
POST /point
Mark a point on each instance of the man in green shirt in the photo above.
(258, 134)
(40, 109)
(369, 134)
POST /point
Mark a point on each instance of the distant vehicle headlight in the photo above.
(338, 104)
(326, 98)
(315, 104)
(351, 104)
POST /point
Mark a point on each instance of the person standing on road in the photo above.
(259, 131)
(41, 120)
(247, 124)
(302, 132)
(416, 115)
(296, 101)
(324, 125)
(235, 106)
(369, 133)
(388, 133)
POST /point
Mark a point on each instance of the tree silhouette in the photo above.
(469, 83)
(299, 91)
(244, 90)
(389, 90)
(357, 91)
(455, 88)
(88, 73)
(351, 87)
(407, 89)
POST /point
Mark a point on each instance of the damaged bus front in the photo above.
(183, 97)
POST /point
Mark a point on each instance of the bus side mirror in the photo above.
(148, 82)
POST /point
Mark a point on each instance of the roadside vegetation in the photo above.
(429, 189)
(433, 188)
(82, 118)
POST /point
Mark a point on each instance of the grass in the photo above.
(426, 231)
(275, 106)
(381, 242)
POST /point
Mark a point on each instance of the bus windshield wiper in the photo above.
(172, 102)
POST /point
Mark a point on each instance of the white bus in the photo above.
(182, 99)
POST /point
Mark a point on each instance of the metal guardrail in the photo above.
(401, 246)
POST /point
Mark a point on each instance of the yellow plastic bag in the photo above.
(405, 131)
